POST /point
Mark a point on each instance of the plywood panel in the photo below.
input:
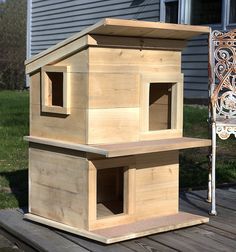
(113, 90)
(156, 184)
(58, 186)
(113, 125)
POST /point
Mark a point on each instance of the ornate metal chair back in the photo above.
(223, 82)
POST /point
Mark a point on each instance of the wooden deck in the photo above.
(217, 235)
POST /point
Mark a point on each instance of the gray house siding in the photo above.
(53, 21)
(195, 68)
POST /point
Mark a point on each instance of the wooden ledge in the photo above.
(128, 231)
(127, 149)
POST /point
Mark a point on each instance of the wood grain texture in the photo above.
(217, 235)
(113, 125)
(175, 108)
(141, 147)
(56, 55)
(126, 149)
(113, 90)
(96, 220)
(56, 126)
(126, 61)
(157, 177)
(138, 43)
(58, 186)
(129, 231)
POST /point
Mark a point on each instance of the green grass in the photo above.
(13, 150)
(194, 162)
(14, 116)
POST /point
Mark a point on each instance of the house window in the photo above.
(55, 89)
(232, 12)
(205, 12)
(110, 192)
(169, 11)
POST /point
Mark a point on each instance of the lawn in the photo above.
(14, 112)
(14, 124)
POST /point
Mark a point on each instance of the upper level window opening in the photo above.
(55, 89)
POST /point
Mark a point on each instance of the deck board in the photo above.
(217, 235)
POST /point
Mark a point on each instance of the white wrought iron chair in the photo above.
(222, 91)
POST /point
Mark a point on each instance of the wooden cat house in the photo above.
(106, 127)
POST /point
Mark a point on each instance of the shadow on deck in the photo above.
(217, 235)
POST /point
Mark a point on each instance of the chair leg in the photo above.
(208, 199)
(213, 163)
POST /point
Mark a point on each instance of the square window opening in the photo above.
(55, 88)
(160, 100)
(110, 192)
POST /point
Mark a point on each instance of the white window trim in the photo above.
(183, 12)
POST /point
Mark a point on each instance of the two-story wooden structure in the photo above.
(106, 126)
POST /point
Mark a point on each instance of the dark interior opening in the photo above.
(110, 191)
(172, 12)
(56, 88)
(160, 106)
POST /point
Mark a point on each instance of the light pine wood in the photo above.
(126, 149)
(157, 176)
(129, 231)
(105, 133)
(113, 90)
(118, 27)
(126, 61)
(55, 55)
(58, 186)
(176, 110)
(112, 125)
(134, 148)
(63, 128)
(96, 220)
(56, 126)
(139, 43)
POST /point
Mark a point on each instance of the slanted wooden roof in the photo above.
(121, 27)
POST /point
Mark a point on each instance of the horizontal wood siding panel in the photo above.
(195, 68)
(54, 21)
